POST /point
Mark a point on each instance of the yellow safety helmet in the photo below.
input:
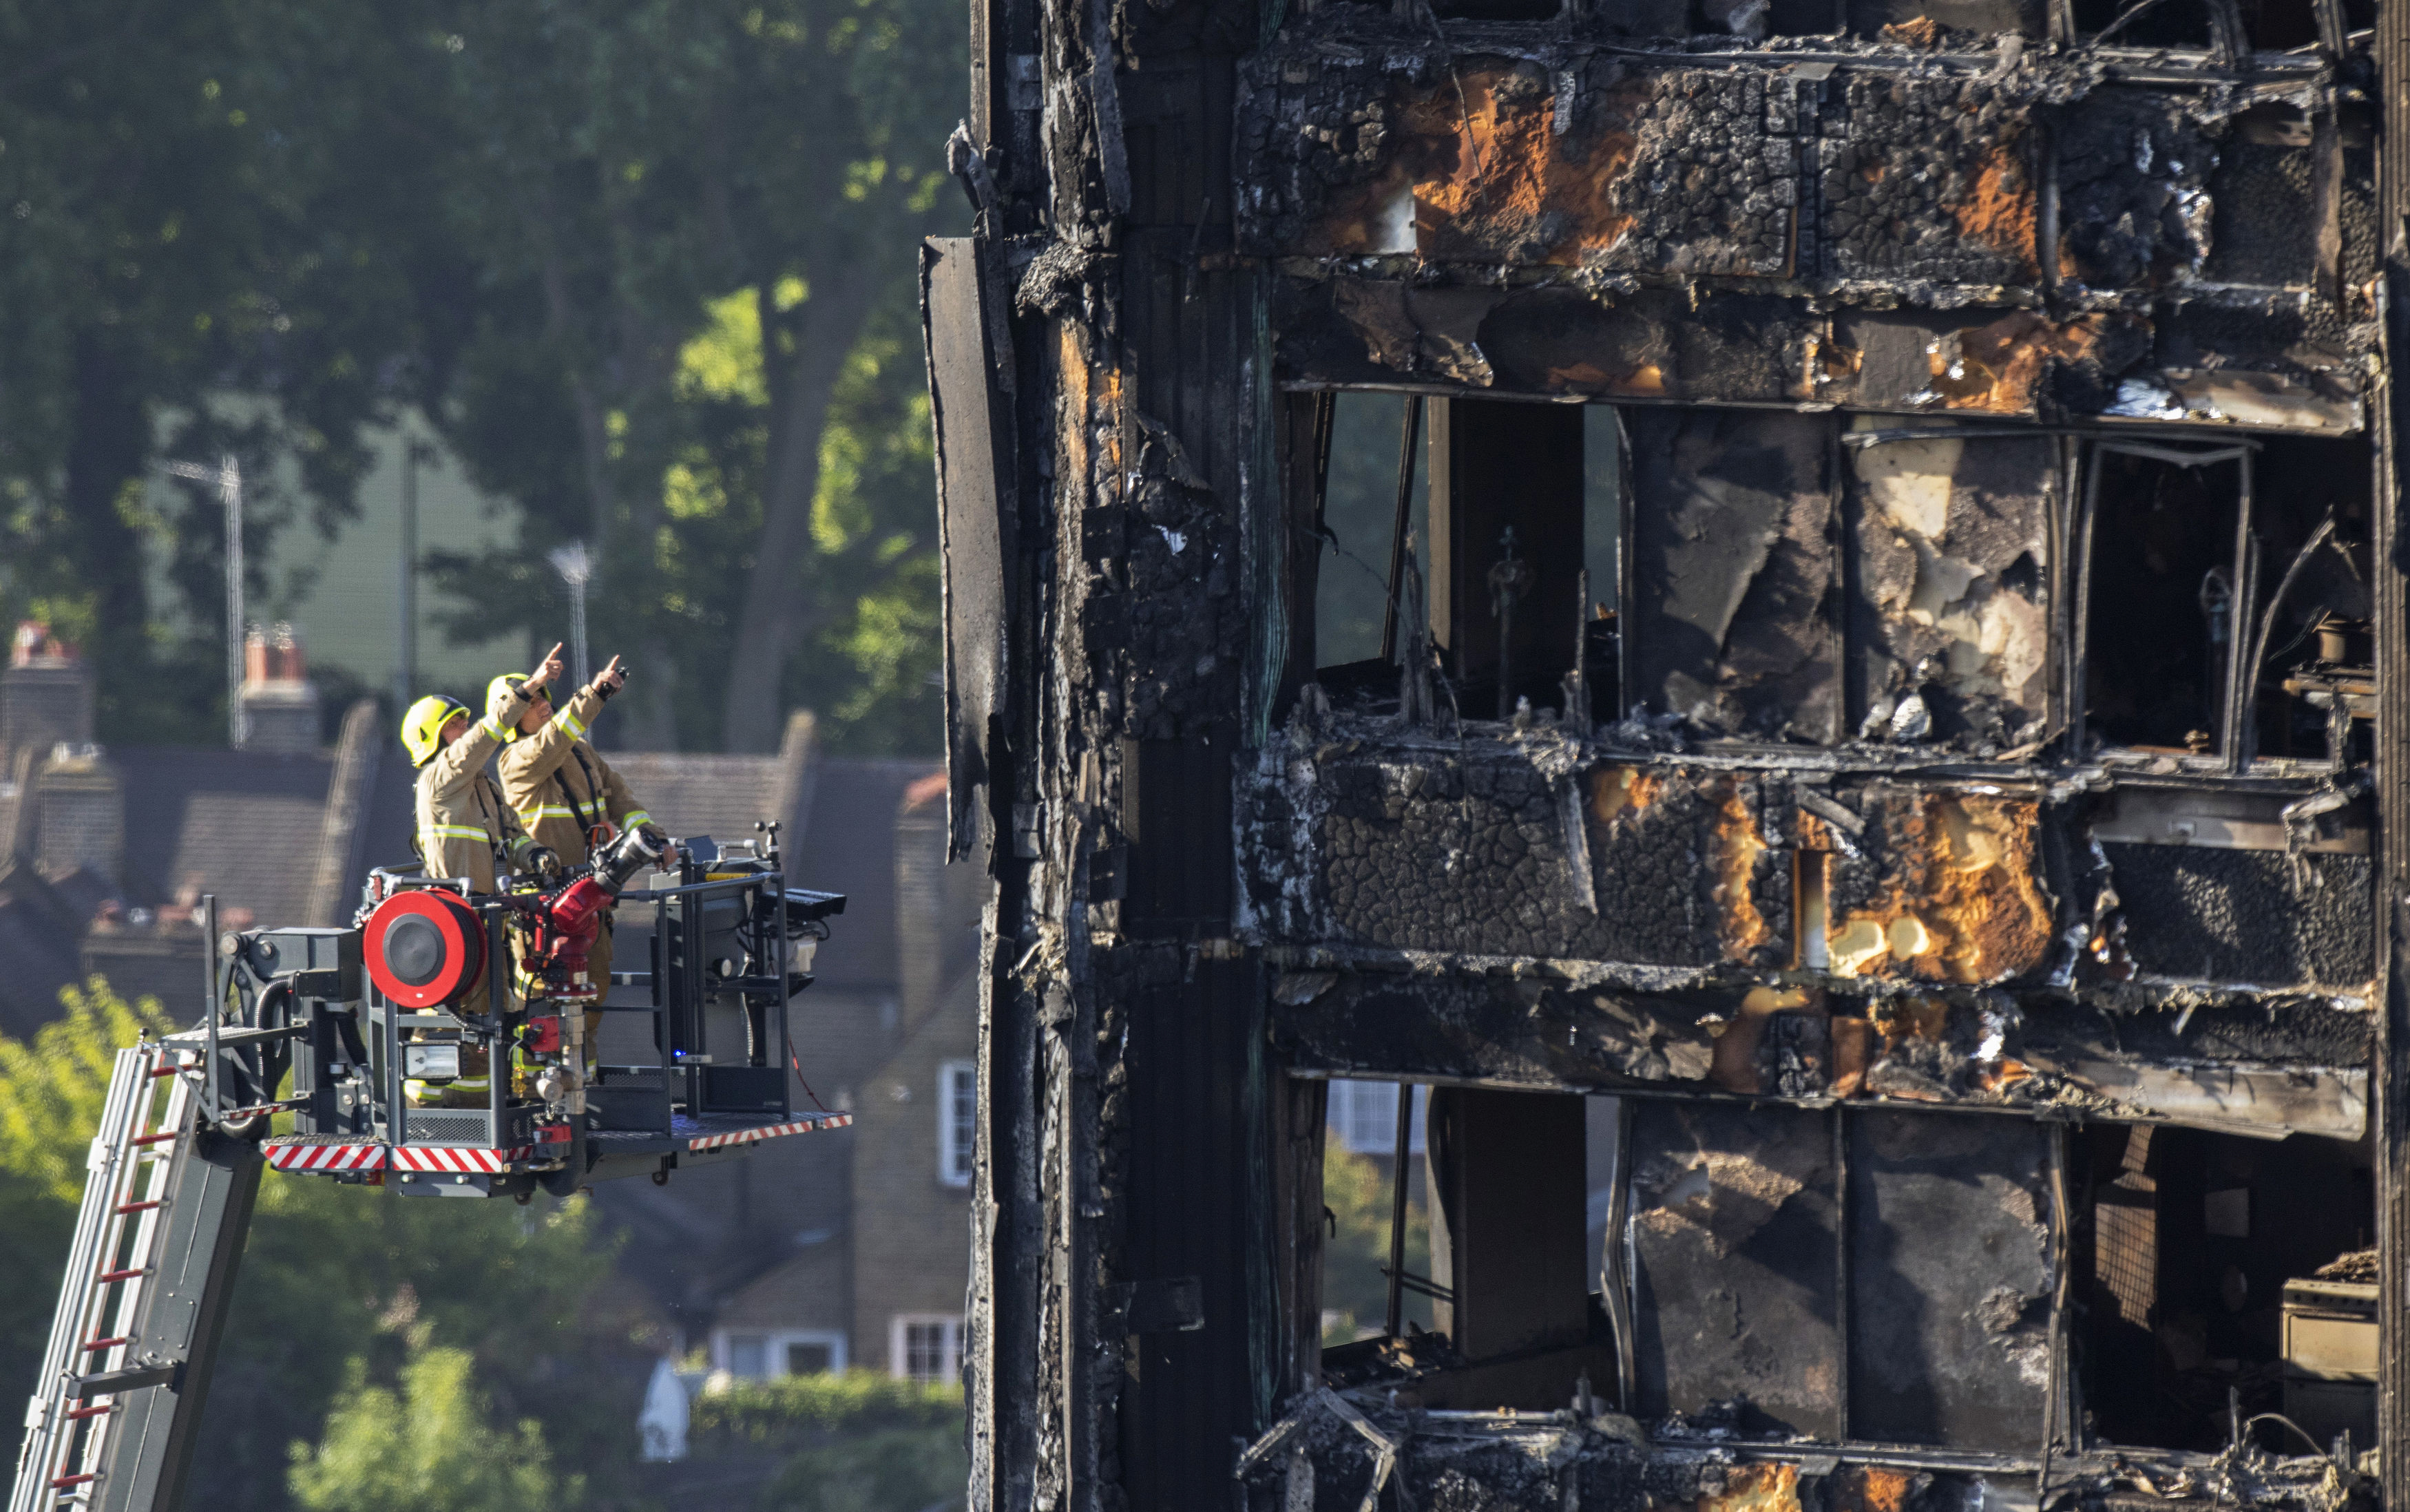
(422, 728)
(507, 686)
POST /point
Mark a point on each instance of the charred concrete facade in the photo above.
(1949, 798)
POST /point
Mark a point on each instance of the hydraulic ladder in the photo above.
(165, 1204)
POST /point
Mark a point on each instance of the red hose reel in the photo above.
(424, 947)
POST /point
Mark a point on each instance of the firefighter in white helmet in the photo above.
(464, 827)
(568, 796)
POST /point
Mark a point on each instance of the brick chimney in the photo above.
(280, 704)
(45, 693)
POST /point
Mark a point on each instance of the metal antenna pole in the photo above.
(405, 679)
(228, 477)
(231, 491)
(576, 565)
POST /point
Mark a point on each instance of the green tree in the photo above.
(50, 1095)
(334, 1279)
(696, 222)
(51, 1091)
(338, 1278)
(1354, 1294)
(433, 1446)
(257, 226)
(171, 233)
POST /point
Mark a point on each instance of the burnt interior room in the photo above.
(2229, 572)
(2161, 573)
(1493, 517)
(2211, 1271)
(1502, 1211)
(2315, 677)
(1849, 1274)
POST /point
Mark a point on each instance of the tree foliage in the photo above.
(792, 1407)
(341, 1288)
(50, 1095)
(699, 220)
(1358, 1193)
(646, 266)
(338, 1279)
(51, 1091)
(433, 1445)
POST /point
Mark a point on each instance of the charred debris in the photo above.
(1879, 692)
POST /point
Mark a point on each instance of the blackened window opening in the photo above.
(1365, 448)
(2177, 23)
(1496, 10)
(1509, 517)
(1516, 509)
(2163, 575)
(1375, 1268)
(1506, 1226)
(2196, 1264)
(2313, 654)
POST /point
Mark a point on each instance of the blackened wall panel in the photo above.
(1733, 570)
(2222, 915)
(1176, 811)
(972, 417)
(1188, 1215)
(1950, 1279)
(1734, 1221)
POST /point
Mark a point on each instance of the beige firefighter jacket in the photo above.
(560, 787)
(462, 819)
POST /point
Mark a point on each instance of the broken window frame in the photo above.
(1422, 438)
(2231, 39)
(2232, 754)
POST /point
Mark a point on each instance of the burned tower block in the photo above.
(1795, 611)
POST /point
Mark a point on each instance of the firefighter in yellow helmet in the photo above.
(464, 828)
(567, 795)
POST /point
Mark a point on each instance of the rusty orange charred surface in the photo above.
(1757, 1488)
(1483, 170)
(1958, 899)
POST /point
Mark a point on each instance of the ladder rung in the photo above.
(157, 1138)
(72, 1413)
(165, 1070)
(141, 1207)
(61, 1483)
(132, 1378)
(108, 1276)
(107, 1344)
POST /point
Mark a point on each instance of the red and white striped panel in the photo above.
(771, 1131)
(364, 1156)
(458, 1158)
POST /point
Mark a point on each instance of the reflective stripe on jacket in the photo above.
(545, 777)
(462, 819)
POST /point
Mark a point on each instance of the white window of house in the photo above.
(766, 1354)
(957, 1120)
(925, 1347)
(1363, 1115)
